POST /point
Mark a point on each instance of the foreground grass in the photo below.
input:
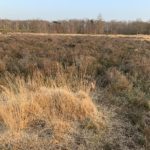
(46, 111)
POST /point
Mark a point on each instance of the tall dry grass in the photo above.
(37, 103)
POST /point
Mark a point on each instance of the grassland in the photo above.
(74, 92)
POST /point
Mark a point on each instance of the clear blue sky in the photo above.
(75, 9)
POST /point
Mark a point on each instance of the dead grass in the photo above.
(47, 111)
(118, 81)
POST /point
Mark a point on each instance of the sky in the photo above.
(75, 9)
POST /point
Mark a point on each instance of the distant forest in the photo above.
(76, 26)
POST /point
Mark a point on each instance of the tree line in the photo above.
(97, 26)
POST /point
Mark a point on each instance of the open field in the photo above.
(62, 91)
(134, 37)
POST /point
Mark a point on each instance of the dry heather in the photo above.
(117, 69)
(32, 109)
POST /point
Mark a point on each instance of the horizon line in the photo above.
(78, 19)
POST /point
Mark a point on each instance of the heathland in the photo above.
(74, 92)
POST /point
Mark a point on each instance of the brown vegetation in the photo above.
(92, 92)
(43, 109)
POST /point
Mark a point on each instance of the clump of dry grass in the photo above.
(26, 105)
(65, 104)
(118, 81)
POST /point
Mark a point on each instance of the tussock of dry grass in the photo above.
(65, 104)
(118, 81)
(58, 109)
